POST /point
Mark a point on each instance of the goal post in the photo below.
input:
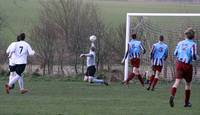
(128, 18)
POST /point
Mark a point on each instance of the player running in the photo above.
(12, 64)
(185, 52)
(158, 55)
(21, 50)
(91, 67)
(134, 52)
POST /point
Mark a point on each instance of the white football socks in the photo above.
(21, 83)
(13, 80)
(98, 80)
(12, 74)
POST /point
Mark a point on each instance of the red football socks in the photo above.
(130, 77)
(187, 96)
(173, 91)
(141, 80)
(155, 82)
(151, 80)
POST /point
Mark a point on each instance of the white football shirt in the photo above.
(91, 58)
(11, 56)
(21, 51)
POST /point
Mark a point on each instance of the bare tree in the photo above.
(65, 26)
(3, 41)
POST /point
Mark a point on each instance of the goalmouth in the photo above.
(129, 15)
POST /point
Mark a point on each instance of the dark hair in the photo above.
(93, 48)
(161, 38)
(134, 36)
(189, 32)
(18, 38)
(22, 36)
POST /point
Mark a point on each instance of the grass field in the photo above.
(55, 97)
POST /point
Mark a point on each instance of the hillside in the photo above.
(20, 15)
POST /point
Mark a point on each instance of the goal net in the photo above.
(149, 26)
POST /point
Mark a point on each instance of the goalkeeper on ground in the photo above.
(91, 67)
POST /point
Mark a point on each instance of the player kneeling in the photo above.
(91, 67)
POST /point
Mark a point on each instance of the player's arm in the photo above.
(11, 46)
(10, 50)
(30, 50)
(166, 53)
(86, 55)
(126, 55)
(10, 54)
(152, 52)
(143, 49)
(176, 50)
(194, 52)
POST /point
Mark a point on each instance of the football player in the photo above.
(21, 50)
(185, 52)
(134, 51)
(158, 55)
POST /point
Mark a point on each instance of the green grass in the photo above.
(20, 15)
(114, 12)
(55, 97)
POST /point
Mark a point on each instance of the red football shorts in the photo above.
(184, 71)
(157, 68)
(135, 62)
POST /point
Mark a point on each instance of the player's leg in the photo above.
(155, 76)
(95, 80)
(153, 72)
(137, 70)
(11, 82)
(12, 74)
(90, 73)
(155, 79)
(12, 79)
(92, 79)
(187, 94)
(188, 79)
(146, 77)
(21, 83)
(130, 77)
(175, 86)
(179, 75)
(19, 72)
(173, 91)
(151, 79)
(137, 73)
(85, 78)
(99, 81)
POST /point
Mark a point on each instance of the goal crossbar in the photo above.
(150, 15)
(163, 14)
